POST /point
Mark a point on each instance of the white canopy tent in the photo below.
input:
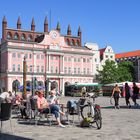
(121, 84)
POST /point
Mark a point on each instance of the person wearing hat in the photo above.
(44, 107)
(52, 98)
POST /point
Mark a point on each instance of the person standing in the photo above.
(127, 90)
(135, 93)
(116, 94)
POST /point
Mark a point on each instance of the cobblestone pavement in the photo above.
(118, 124)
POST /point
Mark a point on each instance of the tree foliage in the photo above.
(112, 72)
(125, 71)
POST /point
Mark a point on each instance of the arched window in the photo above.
(67, 42)
(16, 36)
(23, 37)
(29, 38)
(9, 35)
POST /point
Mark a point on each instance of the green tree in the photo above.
(113, 73)
(125, 71)
(109, 73)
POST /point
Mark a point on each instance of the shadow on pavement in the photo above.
(4, 136)
(121, 107)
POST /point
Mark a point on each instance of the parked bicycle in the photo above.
(91, 111)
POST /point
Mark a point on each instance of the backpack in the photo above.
(85, 122)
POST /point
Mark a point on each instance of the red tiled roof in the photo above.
(128, 54)
(102, 51)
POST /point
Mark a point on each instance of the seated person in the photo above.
(22, 105)
(52, 98)
(44, 107)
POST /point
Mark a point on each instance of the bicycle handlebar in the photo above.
(92, 95)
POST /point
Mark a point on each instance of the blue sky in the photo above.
(105, 22)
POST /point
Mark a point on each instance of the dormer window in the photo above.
(16, 36)
(23, 37)
(9, 36)
(29, 38)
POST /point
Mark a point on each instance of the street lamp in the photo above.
(24, 77)
(16, 86)
(34, 85)
(47, 87)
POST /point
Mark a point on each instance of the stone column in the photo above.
(48, 63)
(61, 64)
(9, 62)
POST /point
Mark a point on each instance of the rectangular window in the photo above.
(78, 70)
(88, 72)
(106, 56)
(13, 55)
(38, 56)
(42, 68)
(84, 70)
(78, 59)
(42, 56)
(51, 69)
(30, 56)
(31, 68)
(97, 66)
(69, 70)
(88, 60)
(74, 70)
(65, 58)
(95, 59)
(37, 69)
(14, 67)
(51, 57)
(65, 69)
(74, 59)
(56, 58)
(56, 70)
(84, 60)
(69, 59)
(19, 55)
(18, 67)
(26, 55)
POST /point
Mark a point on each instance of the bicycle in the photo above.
(92, 112)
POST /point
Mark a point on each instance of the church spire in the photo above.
(58, 27)
(33, 25)
(46, 24)
(69, 30)
(4, 26)
(18, 23)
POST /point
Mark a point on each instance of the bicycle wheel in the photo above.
(98, 118)
(86, 113)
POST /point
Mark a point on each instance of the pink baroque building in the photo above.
(49, 54)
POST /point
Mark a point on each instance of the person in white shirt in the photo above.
(6, 97)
